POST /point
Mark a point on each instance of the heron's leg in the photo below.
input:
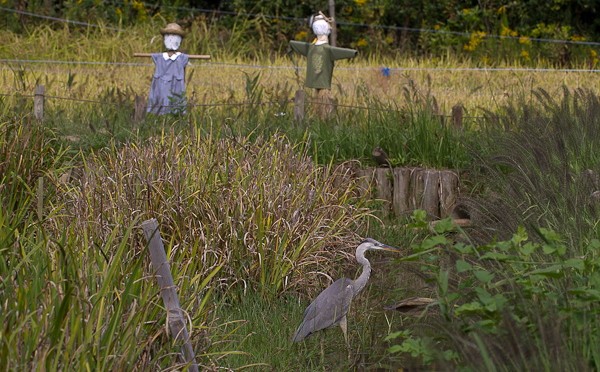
(344, 327)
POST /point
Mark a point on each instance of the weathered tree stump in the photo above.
(431, 200)
(448, 193)
(406, 189)
(384, 187)
(400, 203)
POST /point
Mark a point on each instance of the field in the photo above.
(259, 212)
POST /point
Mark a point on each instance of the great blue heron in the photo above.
(331, 306)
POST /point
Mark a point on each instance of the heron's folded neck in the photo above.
(362, 280)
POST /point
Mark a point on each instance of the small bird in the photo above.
(380, 157)
(331, 306)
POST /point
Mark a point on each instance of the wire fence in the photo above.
(42, 97)
(293, 67)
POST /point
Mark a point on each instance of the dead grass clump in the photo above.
(262, 211)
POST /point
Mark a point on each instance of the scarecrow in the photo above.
(320, 61)
(167, 92)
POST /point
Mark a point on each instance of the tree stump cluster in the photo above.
(404, 190)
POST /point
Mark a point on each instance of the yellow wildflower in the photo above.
(137, 5)
(474, 41)
(360, 2)
(502, 10)
(301, 35)
(362, 42)
(525, 54)
(524, 40)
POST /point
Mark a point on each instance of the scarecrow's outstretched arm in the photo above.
(191, 56)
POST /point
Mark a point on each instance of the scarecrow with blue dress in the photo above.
(167, 92)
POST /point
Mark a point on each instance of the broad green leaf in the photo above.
(496, 256)
(576, 263)
(484, 276)
(586, 293)
(394, 335)
(520, 236)
(462, 266)
(554, 271)
(444, 226)
(433, 241)
(528, 248)
(469, 308)
(443, 281)
(463, 248)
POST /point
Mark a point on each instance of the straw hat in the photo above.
(172, 29)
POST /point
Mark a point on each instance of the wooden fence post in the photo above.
(299, 100)
(457, 116)
(139, 109)
(333, 35)
(168, 291)
(38, 102)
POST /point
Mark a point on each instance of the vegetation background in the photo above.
(389, 27)
(258, 211)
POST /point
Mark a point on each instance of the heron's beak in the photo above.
(389, 248)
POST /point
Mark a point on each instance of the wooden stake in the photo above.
(38, 102)
(168, 291)
(139, 109)
(457, 116)
(333, 35)
(299, 99)
(190, 56)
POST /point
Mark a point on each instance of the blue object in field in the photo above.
(385, 72)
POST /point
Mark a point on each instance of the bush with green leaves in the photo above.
(508, 305)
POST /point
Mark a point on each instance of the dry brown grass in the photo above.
(272, 219)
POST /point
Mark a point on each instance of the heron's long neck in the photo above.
(362, 280)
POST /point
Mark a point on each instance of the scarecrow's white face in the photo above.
(172, 42)
(321, 27)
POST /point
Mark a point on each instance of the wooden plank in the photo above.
(448, 192)
(431, 199)
(190, 56)
(417, 186)
(400, 203)
(384, 187)
(168, 290)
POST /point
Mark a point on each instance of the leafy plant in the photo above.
(510, 304)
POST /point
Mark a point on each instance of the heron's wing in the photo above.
(327, 309)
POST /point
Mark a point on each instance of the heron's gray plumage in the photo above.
(332, 305)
